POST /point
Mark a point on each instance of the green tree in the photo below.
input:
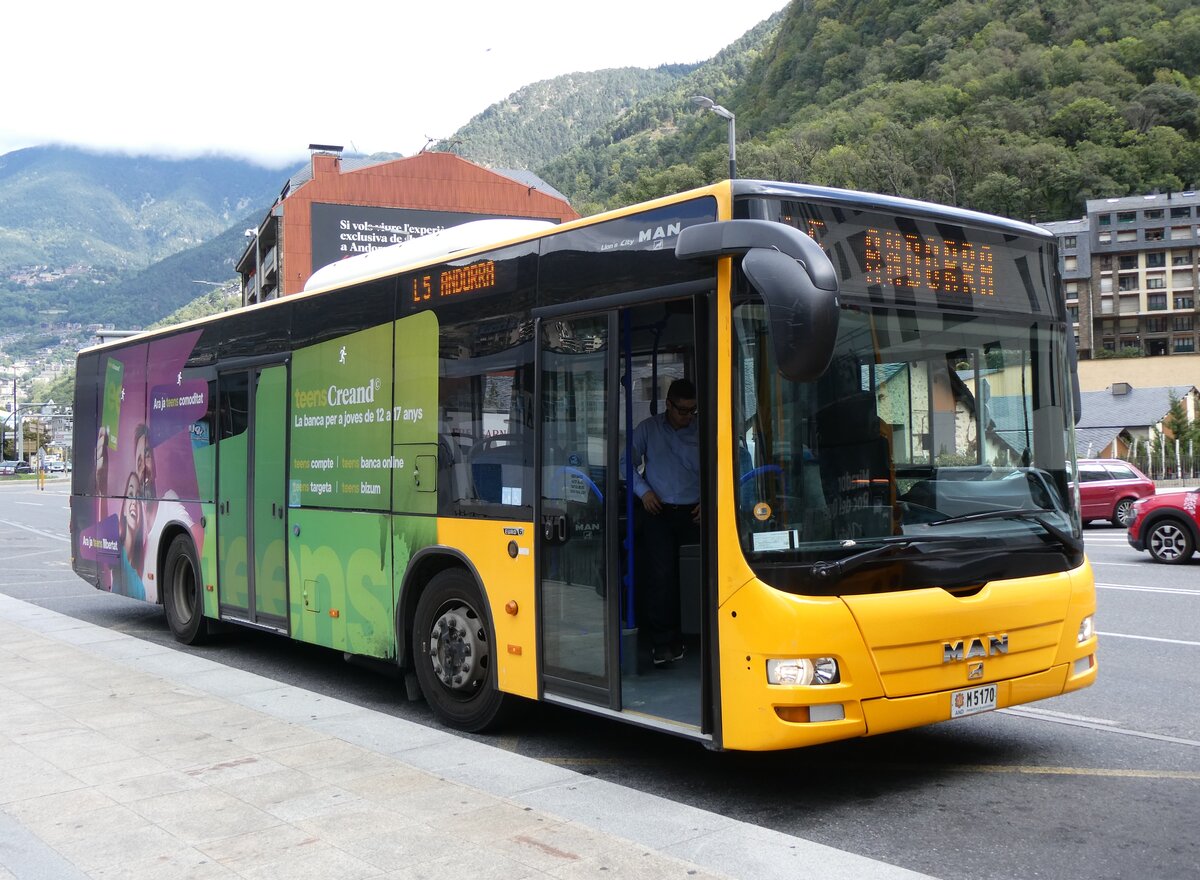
(1087, 119)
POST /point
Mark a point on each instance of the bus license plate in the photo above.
(968, 702)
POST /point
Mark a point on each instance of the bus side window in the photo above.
(485, 436)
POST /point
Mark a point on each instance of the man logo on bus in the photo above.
(965, 649)
(658, 234)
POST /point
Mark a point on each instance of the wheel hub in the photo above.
(458, 649)
(1167, 542)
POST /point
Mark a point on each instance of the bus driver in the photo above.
(666, 447)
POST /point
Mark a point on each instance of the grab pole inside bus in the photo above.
(630, 615)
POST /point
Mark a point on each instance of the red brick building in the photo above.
(342, 207)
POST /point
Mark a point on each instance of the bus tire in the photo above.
(183, 599)
(453, 650)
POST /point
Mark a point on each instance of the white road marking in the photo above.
(44, 534)
(1034, 710)
(1135, 588)
(1109, 635)
(1104, 727)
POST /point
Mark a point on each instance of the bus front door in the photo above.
(252, 497)
(597, 375)
(575, 601)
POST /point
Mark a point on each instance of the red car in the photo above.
(1107, 489)
(1167, 525)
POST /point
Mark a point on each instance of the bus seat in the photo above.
(496, 464)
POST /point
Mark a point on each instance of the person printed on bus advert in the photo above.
(666, 446)
(130, 528)
(135, 515)
(161, 507)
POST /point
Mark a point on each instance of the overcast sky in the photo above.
(263, 80)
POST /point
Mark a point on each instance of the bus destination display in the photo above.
(910, 260)
(479, 277)
(941, 265)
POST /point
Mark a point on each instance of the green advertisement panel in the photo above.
(342, 567)
(341, 422)
(270, 535)
(415, 475)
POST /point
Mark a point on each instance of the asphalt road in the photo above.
(1104, 783)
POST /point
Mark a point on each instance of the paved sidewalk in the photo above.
(120, 758)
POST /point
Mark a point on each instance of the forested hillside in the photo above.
(541, 121)
(1018, 108)
(604, 171)
(62, 207)
(131, 299)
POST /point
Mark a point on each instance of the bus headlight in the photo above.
(803, 671)
(1087, 629)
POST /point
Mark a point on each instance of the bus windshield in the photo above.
(927, 429)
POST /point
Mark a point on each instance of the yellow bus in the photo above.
(432, 457)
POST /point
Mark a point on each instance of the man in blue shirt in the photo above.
(668, 445)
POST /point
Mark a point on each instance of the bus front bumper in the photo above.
(886, 715)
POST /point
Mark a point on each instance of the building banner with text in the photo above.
(341, 231)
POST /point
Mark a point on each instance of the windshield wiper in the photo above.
(838, 567)
(1036, 514)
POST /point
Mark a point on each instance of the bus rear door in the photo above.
(251, 495)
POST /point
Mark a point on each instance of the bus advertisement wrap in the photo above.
(145, 464)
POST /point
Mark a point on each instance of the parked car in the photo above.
(1167, 526)
(1108, 487)
(55, 467)
(8, 468)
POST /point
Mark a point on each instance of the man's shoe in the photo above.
(664, 654)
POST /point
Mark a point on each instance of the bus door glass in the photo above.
(251, 496)
(575, 574)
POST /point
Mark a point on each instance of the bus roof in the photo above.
(886, 204)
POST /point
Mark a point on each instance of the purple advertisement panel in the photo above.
(145, 468)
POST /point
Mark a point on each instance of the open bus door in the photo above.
(599, 375)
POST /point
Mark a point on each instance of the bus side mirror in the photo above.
(794, 277)
(803, 317)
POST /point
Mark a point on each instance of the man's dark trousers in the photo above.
(662, 536)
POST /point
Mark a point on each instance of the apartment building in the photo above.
(1129, 269)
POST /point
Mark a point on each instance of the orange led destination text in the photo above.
(940, 265)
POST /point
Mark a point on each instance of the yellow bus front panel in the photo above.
(902, 657)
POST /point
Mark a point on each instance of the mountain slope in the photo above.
(1023, 109)
(535, 124)
(61, 206)
(659, 135)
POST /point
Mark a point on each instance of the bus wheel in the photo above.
(182, 598)
(454, 654)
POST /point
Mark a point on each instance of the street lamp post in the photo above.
(709, 104)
